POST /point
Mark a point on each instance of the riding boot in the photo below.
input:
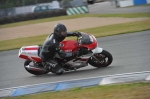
(56, 67)
(46, 66)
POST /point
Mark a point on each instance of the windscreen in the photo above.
(85, 38)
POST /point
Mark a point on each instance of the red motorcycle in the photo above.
(88, 52)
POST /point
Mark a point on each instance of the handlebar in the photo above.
(78, 34)
(74, 34)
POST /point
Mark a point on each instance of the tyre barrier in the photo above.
(64, 85)
(77, 10)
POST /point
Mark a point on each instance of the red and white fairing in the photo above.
(30, 53)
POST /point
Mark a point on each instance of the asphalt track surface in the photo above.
(131, 53)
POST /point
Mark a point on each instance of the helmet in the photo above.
(60, 32)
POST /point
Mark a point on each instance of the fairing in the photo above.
(69, 46)
(30, 53)
(87, 41)
(92, 45)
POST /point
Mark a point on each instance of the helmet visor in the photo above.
(63, 33)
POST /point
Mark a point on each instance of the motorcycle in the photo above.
(88, 53)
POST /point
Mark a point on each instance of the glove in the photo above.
(78, 34)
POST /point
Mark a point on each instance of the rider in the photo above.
(51, 46)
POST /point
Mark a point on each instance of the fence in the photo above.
(54, 4)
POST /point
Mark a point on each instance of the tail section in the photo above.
(29, 53)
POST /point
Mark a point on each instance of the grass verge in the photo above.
(98, 32)
(120, 91)
(130, 15)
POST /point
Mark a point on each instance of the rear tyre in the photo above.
(27, 62)
(102, 59)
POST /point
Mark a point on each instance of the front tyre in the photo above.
(34, 72)
(102, 59)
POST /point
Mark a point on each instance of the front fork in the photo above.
(96, 51)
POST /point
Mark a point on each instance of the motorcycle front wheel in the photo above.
(34, 72)
(102, 59)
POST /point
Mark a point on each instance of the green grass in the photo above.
(120, 91)
(130, 15)
(98, 32)
(119, 28)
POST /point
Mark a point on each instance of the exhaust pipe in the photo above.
(33, 68)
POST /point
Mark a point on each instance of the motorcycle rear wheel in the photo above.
(103, 59)
(27, 62)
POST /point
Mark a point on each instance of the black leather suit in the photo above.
(51, 46)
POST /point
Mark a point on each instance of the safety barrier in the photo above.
(63, 85)
(77, 10)
(125, 3)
